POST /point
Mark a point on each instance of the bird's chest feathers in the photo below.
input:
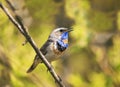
(59, 46)
(63, 42)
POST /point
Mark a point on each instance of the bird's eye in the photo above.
(61, 30)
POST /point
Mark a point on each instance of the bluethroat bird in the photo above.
(55, 45)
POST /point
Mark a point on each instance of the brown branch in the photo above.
(17, 17)
(22, 29)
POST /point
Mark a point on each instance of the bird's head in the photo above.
(60, 33)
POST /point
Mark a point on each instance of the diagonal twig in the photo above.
(23, 31)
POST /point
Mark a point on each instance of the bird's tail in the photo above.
(33, 66)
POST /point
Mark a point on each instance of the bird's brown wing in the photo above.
(37, 60)
(43, 49)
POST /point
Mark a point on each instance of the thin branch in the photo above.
(17, 17)
(11, 18)
(22, 29)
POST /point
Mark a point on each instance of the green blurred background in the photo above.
(93, 57)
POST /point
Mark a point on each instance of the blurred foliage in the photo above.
(92, 59)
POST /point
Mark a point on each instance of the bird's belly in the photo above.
(51, 56)
(52, 53)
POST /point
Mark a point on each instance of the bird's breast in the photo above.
(54, 48)
(52, 52)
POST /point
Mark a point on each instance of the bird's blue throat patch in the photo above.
(64, 35)
(63, 42)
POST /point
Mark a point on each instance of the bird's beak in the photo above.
(69, 30)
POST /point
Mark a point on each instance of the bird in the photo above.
(55, 45)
